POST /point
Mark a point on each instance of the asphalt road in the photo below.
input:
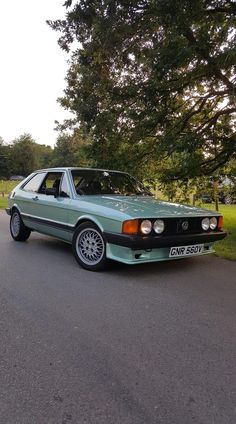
(142, 345)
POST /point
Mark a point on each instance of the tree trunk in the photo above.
(216, 194)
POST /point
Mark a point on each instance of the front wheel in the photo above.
(89, 247)
(19, 231)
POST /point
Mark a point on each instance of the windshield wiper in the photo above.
(144, 193)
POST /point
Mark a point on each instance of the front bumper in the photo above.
(137, 242)
(8, 211)
(132, 257)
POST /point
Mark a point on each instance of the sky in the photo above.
(32, 70)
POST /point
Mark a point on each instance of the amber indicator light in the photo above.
(130, 227)
(220, 222)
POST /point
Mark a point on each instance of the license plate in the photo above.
(178, 251)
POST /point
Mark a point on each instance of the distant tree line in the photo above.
(24, 155)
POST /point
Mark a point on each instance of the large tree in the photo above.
(43, 155)
(70, 150)
(23, 155)
(4, 159)
(151, 80)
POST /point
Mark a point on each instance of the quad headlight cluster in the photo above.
(209, 223)
(147, 226)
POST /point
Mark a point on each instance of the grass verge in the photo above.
(6, 186)
(3, 202)
(227, 248)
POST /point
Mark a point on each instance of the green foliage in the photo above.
(70, 150)
(43, 156)
(4, 159)
(227, 248)
(63, 155)
(23, 158)
(178, 191)
(152, 83)
(24, 155)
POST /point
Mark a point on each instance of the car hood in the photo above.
(146, 207)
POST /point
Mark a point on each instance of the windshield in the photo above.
(93, 182)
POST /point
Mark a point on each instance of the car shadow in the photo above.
(172, 266)
(138, 270)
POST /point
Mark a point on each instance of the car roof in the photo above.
(77, 169)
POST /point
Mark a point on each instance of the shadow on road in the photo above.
(56, 247)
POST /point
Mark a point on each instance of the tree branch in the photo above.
(189, 35)
(214, 118)
(223, 9)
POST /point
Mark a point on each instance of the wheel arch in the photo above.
(15, 207)
(88, 218)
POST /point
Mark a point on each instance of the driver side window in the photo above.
(51, 183)
(55, 183)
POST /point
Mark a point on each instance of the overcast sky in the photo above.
(32, 69)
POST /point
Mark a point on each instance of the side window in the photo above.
(34, 183)
(52, 181)
(64, 191)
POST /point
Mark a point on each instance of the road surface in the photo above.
(151, 344)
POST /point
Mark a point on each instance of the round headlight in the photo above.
(159, 226)
(213, 223)
(205, 224)
(146, 226)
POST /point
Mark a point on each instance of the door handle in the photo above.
(35, 198)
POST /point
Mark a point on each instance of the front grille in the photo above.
(175, 226)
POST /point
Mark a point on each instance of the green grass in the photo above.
(227, 248)
(7, 186)
(3, 202)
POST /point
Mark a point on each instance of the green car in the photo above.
(109, 215)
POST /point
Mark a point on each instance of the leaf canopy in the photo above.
(152, 82)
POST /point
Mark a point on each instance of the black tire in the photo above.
(18, 230)
(89, 247)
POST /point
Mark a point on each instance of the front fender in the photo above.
(90, 218)
(14, 206)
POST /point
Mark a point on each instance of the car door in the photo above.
(23, 198)
(50, 206)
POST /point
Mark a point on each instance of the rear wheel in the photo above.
(89, 247)
(19, 231)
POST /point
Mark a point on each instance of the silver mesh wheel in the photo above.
(90, 246)
(15, 224)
